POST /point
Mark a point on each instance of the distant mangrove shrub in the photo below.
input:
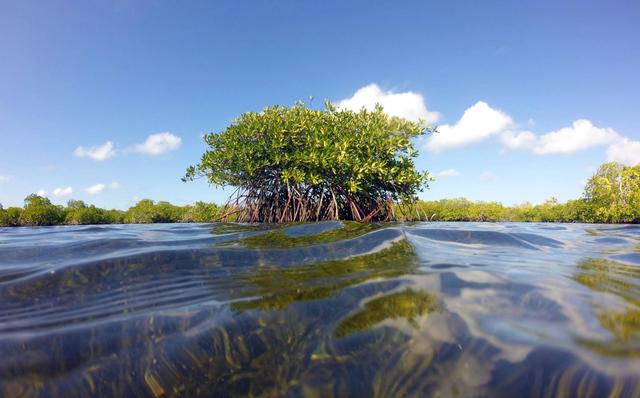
(10, 217)
(612, 195)
(79, 213)
(200, 212)
(40, 211)
(614, 192)
(301, 164)
(147, 211)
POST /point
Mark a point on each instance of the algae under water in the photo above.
(321, 309)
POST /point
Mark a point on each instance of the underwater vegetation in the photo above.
(621, 280)
(343, 309)
(408, 304)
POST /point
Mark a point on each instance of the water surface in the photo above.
(320, 310)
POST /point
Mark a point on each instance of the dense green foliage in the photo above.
(10, 217)
(461, 209)
(146, 211)
(39, 211)
(301, 164)
(77, 212)
(612, 195)
(200, 212)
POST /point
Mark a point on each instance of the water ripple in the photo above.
(325, 309)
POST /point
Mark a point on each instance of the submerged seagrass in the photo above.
(320, 309)
(301, 164)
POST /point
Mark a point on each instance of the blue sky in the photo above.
(530, 97)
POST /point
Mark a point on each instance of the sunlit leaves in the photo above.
(614, 192)
(363, 160)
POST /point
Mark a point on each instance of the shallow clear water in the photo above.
(319, 310)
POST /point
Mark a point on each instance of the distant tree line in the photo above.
(39, 210)
(612, 195)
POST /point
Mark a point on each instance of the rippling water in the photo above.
(319, 310)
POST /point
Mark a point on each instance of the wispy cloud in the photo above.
(4, 179)
(98, 153)
(408, 105)
(447, 173)
(159, 143)
(98, 188)
(62, 191)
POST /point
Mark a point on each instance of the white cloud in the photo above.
(4, 179)
(447, 173)
(478, 122)
(519, 140)
(95, 189)
(407, 105)
(62, 191)
(98, 188)
(99, 153)
(582, 134)
(42, 192)
(624, 151)
(159, 143)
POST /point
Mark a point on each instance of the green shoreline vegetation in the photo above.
(297, 164)
(612, 195)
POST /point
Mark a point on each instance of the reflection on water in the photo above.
(324, 309)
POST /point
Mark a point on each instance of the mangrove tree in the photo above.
(291, 164)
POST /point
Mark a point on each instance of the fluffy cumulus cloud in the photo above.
(478, 122)
(481, 122)
(159, 143)
(62, 191)
(98, 188)
(447, 173)
(408, 105)
(41, 192)
(624, 151)
(98, 153)
(581, 135)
